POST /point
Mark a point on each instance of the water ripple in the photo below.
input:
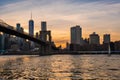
(60, 67)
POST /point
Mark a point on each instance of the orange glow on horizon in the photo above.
(62, 37)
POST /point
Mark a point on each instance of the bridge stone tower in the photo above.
(45, 35)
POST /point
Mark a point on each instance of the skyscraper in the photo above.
(18, 26)
(76, 35)
(43, 26)
(31, 31)
(106, 38)
(31, 26)
(94, 39)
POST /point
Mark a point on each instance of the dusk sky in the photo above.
(100, 16)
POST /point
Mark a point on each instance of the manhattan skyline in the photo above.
(93, 16)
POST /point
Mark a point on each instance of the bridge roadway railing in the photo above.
(4, 27)
(2, 23)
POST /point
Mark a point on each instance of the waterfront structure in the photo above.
(19, 40)
(106, 38)
(31, 27)
(2, 43)
(18, 28)
(117, 45)
(76, 35)
(7, 38)
(45, 34)
(94, 39)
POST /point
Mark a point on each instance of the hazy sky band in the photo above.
(4, 2)
(101, 16)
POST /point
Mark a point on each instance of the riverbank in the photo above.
(62, 53)
(21, 53)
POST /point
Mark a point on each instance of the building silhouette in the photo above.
(43, 26)
(117, 45)
(19, 40)
(31, 26)
(106, 38)
(94, 39)
(45, 34)
(18, 27)
(31, 31)
(2, 43)
(76, 35)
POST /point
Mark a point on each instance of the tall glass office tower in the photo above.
(31, 26)
(76, 35)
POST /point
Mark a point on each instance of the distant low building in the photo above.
(37, 35)
(26, 46)
(19, 40)
(94, 39)
(15, 47)
(117, 45)
(67, 46)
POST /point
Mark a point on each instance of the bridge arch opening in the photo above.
(48, 38)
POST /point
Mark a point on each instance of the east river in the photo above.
(60, 67)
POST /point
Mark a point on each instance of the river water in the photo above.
(60, 67)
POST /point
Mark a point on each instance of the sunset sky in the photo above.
(100, 16)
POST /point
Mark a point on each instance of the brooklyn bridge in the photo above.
(45, 46)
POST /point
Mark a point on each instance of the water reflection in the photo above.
(84, 67)
(60, 67)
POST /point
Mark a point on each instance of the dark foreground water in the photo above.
(60, 67)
